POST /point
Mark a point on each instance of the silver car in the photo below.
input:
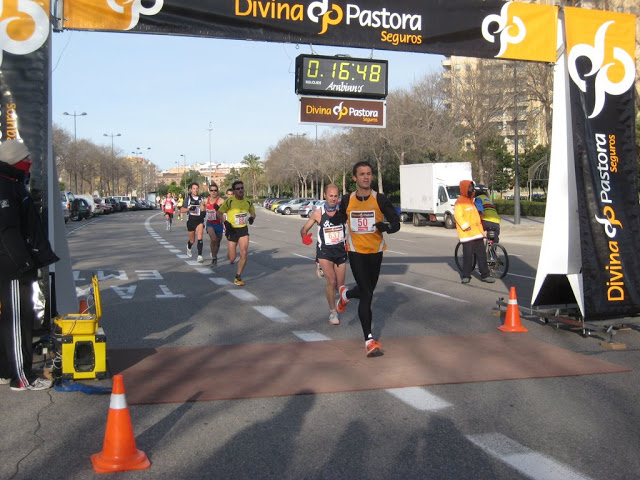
(291, 206)
(307, 208)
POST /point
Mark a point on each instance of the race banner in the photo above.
(488, 28)
(345, 112)
(601, 64)
(24, 81)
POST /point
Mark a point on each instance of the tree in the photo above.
(254, 169)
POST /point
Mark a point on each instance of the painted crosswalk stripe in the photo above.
(431, 292)
(528, 462)
(419, 398)
(183, 255)
(203, 270)
(273, 314)
(175, 250)
(220, 281)
(243, 295)
(310, 336)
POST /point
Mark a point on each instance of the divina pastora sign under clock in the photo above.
(341, 76)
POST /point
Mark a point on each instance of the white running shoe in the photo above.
(5, 381)
(200, 259)
(319, 271)
(37, 384)
(189, 252)
(333, 318)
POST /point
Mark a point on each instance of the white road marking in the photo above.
(243, 295)
(432, 293)
(166, 333)
(220, 281)
(166, 293)
(76, 275)
(419, 398)
(192, 263)
(126, 293)
(528, 462)
(204, 270)
(121, 275)
(81, 292)
(304, 256)
(521, 276)
(175, 250)
(273, 314)
(403, 240)
(163, 242)
(149, 275)
(279, 231)
(184, 255)
(399, 253)
(170, 246)
(310, 336)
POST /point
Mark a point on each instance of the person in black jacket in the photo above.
(24, 248)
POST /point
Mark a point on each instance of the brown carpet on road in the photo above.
(177, 374)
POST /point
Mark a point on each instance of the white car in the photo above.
(93, 206)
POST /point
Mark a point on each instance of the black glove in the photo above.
(338, 219)
(228, 227)
(250, 220)
(216, 207)
(382, 227)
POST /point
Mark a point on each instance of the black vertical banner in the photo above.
(601, 65)
(24, 84)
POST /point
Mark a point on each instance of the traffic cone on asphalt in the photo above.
(512, 318)
(119, 450)
(83, 308)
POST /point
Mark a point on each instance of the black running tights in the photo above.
(366, 270)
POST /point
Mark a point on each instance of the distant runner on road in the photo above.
(240, 213)
(213, 221)
(193, 207)
(330, 247)
(169, 208)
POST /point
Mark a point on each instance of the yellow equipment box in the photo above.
(76, 324)
(83, 356)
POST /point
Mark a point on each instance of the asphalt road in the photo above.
(563, 427)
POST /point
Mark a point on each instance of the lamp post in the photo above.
(516, 167)
(299, 135)
(210, 129)
(113, 156)
(75, 146)
(184, 172)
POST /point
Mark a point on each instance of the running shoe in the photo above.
(37, 384)
(238, 281)
(189, 252)
(200, 259)
(373, 348)
(169, 229)
(5, 381)
(333, 318)
(319, 271)
(343, 300)
(214, 262)
(466, 280)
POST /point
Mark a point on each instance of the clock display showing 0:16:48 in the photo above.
(343, 71)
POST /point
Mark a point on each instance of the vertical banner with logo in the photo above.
(24, 81)
(601, 65)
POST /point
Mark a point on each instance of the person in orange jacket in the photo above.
(471, 233)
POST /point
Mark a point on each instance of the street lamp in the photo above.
(210, 129)
(113, 156)
(75, 145)
(184, 172)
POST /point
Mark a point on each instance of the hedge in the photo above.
(527, 208)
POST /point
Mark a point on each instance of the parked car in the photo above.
(307, 208)
(115, 204)
(126, 202)
(67, 199)
(291, 206)
(79, 209)
(93, 206)
(104, 206)
(275, 203)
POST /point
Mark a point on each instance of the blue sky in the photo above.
(162, 92)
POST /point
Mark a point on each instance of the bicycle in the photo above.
(497, 256)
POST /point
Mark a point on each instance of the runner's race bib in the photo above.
(362, 221)
(211, 216)
(240, 219)
(333, 235)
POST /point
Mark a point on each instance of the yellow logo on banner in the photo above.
(607, 39)
(24, 26)
(525, 31)
(107, 14)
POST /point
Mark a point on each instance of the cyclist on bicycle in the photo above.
(488, 213)
(471, 233)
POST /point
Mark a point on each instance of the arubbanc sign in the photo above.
(347, 112)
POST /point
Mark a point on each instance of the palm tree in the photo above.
(254, 168)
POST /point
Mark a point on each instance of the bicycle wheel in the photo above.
(459, 256)
(497, 260)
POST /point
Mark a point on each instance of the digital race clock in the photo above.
(341, 76)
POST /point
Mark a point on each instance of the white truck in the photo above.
(428, 191)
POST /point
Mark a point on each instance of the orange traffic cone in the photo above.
(119, 450)
(83, 308)
(512, 318)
